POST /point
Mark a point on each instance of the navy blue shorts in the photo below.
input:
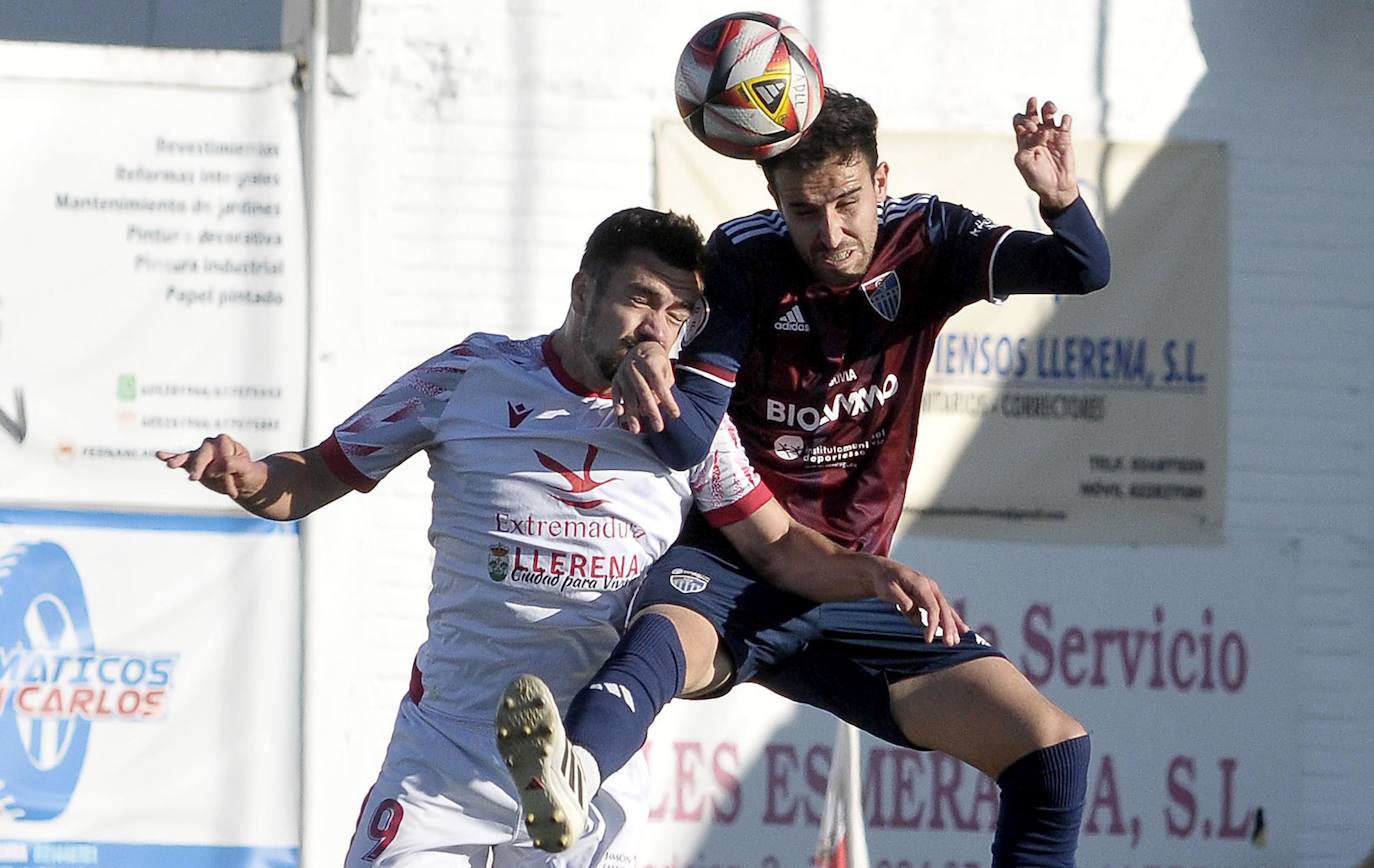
(838, 657)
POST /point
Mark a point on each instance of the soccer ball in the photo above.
(748, 85)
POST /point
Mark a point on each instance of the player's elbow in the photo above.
(1097, 274)
(1088, 274)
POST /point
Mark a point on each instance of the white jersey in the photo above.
(545, 513)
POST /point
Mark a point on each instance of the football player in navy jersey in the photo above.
(824, 315)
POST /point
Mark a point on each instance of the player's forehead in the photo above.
(840, 176)
(643, 272)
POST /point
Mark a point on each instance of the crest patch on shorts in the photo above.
(688, 581)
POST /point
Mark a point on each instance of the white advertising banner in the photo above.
(149, 691)
(1046, 419)
(1181, 672)
(152, 289)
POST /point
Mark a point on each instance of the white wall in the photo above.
(471, 147)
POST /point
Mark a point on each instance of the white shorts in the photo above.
(445, 800)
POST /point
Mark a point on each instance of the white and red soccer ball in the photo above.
(748, 85)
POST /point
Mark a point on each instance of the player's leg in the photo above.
(423, 811)
(667, 651)
(378, 841)
(559, 763)
(874, 669)
(615, 829)
(987, 714)
(982, 711)
(689, 634)
(699, 619)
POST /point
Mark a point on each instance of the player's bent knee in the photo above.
(1057, 726)
(701, 646)
(1041, 808)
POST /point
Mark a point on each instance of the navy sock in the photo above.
(1042, 806)
(610, 717)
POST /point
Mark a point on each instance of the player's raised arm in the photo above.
(798, 559)
(1074, 260)
(283, 487)
(1044, 155)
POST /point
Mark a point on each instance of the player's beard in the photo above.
(847, 272)
(607, 361)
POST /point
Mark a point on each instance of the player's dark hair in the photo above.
(673, 238)
(846, 125)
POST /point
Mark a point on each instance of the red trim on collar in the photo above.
(561, 374)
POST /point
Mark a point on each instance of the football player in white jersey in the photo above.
(545, 514)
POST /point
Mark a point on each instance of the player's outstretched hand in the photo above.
(642, 389)
(917, 596)
(1044, 154)
(221, 464)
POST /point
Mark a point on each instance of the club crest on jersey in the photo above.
(498, 563)
(696, 323)
(688, 581)
(884, 294)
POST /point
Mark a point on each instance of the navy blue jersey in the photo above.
(825, 383)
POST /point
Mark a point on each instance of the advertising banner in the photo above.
(149, 691)
(1050, 419)
(1173, 658)
(153, 288)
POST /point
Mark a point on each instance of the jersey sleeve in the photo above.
(725, 486)
(709, 358)
(716, 351)
(966, 244)
(1074, 260)
(397, 423)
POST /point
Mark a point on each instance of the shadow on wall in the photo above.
(1294, 219)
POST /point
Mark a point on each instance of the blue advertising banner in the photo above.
(149, 677)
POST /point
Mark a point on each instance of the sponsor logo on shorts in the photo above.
(688, 581)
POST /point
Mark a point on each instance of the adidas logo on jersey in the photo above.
(792, 321)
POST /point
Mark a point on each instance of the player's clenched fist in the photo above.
(642, 388)
(221, 464)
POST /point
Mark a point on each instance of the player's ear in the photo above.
(880, 181)
(581, 292)
(773, 191)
